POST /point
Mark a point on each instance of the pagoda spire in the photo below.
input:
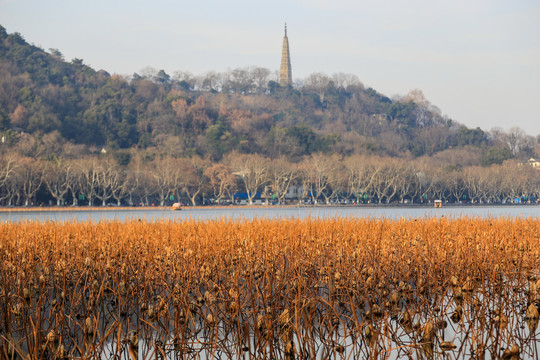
(285, 74)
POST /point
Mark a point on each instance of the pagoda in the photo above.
(285, 77)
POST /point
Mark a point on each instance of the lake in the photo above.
(271, 212)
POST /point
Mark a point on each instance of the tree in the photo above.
(192, 177)
(251, 171)
(260, 79)
(57, 176)
(405, 181)
(29, 176)
(455, 184)
(4, 120)
(361, 174)
(11, 191)
(318, 169)
(106, 179)
(346, 81)
(87, 179)
(141, 182)
(520, 143)
(385, 178)
(162, 77)
(8, 164)
(337, 181)
(221, 181)
(320, 84)
(120, 183)
(219, 140)
(281, 175)
(166, 174)
(423, 181)
(133, 178)
(474, 137)
(496, 155)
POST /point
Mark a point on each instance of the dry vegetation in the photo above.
(351, 288)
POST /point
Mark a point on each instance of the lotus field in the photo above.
(434, 288)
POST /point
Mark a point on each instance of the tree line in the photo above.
(317, 179)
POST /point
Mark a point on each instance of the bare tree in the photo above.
(514, 180)
(211, 81)
(251, 170)
(221, 180)
(281, 175)
(8, 164)
(192, 177)
(384, 184)
(455, 184)
(304, 181)
(29, 175)
(239, 81)
(167, 178)
(107, 178)
(319, 83)
(423, 181)
(136, 174)
(57, 176)
(336, 180)
(317, 169)
(145, 185)
(494, 183)
(361, 174)
(87, 178)
(120, 184)
(405, 181)
(260, 78)
(345, 81)
(519, 142)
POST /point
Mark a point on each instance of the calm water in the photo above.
(273, 212)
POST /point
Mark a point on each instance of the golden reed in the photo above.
(262, 288)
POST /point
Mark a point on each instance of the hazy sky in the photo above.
(477, 60)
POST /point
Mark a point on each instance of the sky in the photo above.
(478, 61)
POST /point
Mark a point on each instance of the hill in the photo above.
(51, 107)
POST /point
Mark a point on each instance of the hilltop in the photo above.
(50, 107)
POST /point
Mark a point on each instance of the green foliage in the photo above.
(3, 32)
(403, 114)
(325, 143)
(496, 155)
(416, 149)
(380, 98)
(4, 120)
(219, 140)
(183, 85)
(273, 87)
(45, 122)
(122, 157)
(303, 134)
(474, 137)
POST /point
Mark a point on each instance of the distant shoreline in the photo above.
(214, 207)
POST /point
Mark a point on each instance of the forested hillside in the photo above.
(54, 111)
(244, 110)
